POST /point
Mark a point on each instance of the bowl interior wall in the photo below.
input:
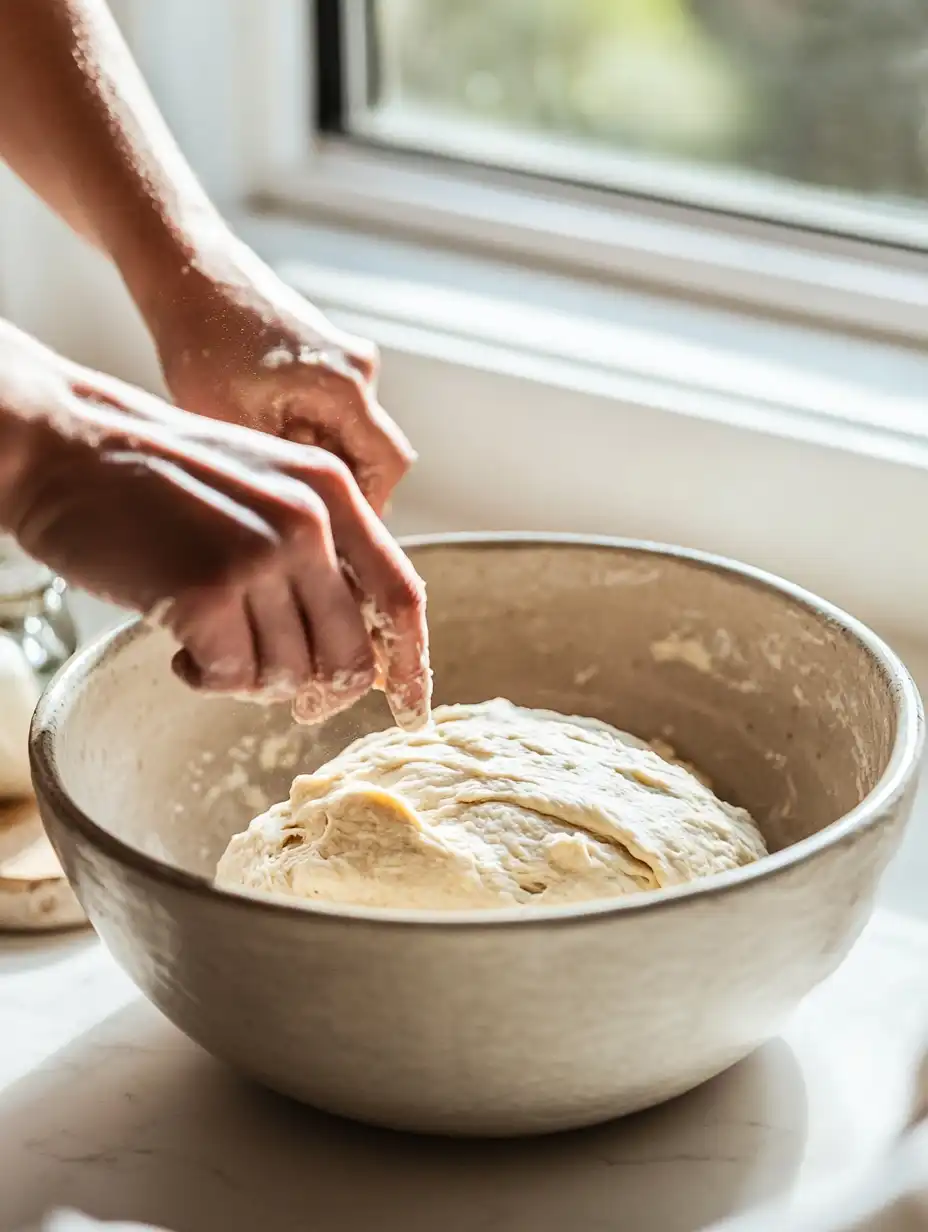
(786, 711)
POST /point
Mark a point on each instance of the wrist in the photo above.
(165, 263)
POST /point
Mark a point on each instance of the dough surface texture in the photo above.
(490, 806)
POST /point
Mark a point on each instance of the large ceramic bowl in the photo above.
(503, 1022)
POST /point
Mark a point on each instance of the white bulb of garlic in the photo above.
(19, 692)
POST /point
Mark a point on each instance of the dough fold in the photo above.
(492, 805)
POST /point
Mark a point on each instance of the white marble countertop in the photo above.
(107, 1108)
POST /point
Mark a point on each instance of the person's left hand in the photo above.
(236, 343)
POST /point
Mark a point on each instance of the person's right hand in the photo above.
(261, 556)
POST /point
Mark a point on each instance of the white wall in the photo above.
(55, 285)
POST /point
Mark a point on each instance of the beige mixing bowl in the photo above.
(501, 1023)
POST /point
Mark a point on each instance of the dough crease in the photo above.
(492, 805)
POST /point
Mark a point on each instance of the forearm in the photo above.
(78, 124)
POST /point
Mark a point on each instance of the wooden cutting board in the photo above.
(34, 892)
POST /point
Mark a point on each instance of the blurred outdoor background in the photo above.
(827, 93)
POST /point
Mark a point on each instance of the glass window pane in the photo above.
(828, 94)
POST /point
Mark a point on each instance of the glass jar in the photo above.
(34, 609)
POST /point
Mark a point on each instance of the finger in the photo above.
(338, 412)
(234, 462)
(373, 445)
(284, 661)
(390, 429)
(392, 600)
(362, 354)
(380, 455)
(341, 645)
(400, 640)
(337, 646)
(186, 670)
(299, 431)
(232, 641)
(342, 653)
(376, 484)
(249, 477)
(253, 640)
(102, 390)
(333, 689)
(375, 479)
(303, 547)
(218, 650)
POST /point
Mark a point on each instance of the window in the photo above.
(804, 111)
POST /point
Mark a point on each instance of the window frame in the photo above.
(828, 261)
(264, 155)
(346, 82)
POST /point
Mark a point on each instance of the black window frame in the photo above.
(329, 105)
(330, 55)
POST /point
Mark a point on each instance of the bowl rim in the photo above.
(892, 785)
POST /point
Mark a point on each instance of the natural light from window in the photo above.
(823, 99)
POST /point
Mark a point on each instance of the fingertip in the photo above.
(364, 357)
(402, 647)
(184, 667)
(410, 700)
(377, 499)
(372, 486)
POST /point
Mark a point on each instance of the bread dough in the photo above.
(491, 805)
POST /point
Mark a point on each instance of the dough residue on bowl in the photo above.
(491, 805)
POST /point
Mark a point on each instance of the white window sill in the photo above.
(877, 283)
(541, 403)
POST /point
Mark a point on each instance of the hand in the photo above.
(262, 557)
(237, 344)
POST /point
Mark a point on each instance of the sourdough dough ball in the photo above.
(490, 806)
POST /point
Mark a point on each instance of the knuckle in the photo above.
(191, 613)
(263, 562)
(365, 359)
(332, 481)
(402, 458)
(311, 518)
(300, 515)
(389, 462)
(259, 551)
(332, 471)
(348, 385)
(395, 467)
(312, 507)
